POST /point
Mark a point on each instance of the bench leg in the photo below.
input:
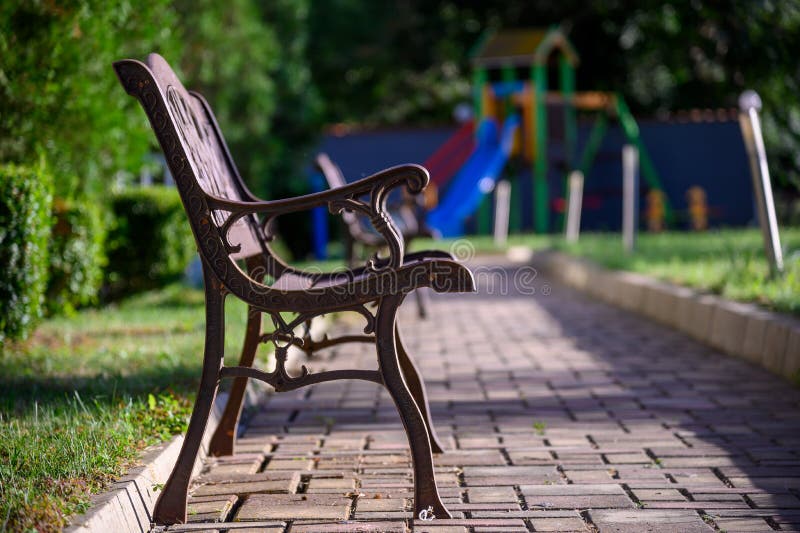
(349, 248)
(171, 505)
(224, 440)
(426, 495)
(421, 311)
(416, 385)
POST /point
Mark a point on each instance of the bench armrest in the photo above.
(366, 196)
(335, 178)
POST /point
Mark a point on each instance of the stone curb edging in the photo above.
(766, 338)
(127, 505)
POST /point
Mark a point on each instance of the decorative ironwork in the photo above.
(283, 336)
(230, 224)
(283, 382)
(409, 211)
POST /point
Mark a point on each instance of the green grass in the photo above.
(730, 263)
(85, 394)
(461, 247)
(482, 244)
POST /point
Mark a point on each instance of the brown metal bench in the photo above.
(233, 231)
(406, 214)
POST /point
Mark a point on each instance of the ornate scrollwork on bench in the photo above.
(232, 226)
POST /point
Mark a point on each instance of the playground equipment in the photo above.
(510, 79)
(698, 208)
(654, 212)
(527, 77)
(476, 178)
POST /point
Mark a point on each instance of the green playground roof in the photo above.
(522, 47)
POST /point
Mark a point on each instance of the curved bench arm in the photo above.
(348, 198)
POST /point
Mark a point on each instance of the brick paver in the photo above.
(558, 413)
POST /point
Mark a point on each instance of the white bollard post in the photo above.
(630, 196)
(573, 227)
(145, 178)
(750, 123)
(502, 209)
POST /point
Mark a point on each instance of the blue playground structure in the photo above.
(524, 131)
(476, 178)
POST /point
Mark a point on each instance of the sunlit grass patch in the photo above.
(54, 456)
(83, 397)
(730, 263)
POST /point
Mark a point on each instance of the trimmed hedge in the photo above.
(25, 224)
(77, 255)
(150, 243)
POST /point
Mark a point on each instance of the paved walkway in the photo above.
(559, 413)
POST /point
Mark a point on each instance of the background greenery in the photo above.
(276, 71)
(82, 397)
(75, 400)
(25, 197)
(150, 242)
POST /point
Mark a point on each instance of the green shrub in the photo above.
(59, 96)
(150, 242)
(77, 255)
(25, 222)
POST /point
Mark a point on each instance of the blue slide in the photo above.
(475, 179)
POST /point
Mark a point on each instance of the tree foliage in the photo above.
(229, 55)
(58, 96)
(25, 222)
(383, 63)
(407, 62)
(276, 71)
(705, 54)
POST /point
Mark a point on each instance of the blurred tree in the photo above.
(392, 63)
(58, 96)
(406, 62)
(60, 103)
(704, 54)
(249, 60)
(229, 54)
(296, 120)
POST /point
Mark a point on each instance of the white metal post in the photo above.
(502, 209)
(573, 228)
(750, 123)
(630, 196)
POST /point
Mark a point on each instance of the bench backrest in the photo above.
(195, 152)
(333, 175)
(401, 214)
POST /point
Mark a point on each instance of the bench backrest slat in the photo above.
(212, 169)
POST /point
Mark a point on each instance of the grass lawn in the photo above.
(83, 396)
(730, 263)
